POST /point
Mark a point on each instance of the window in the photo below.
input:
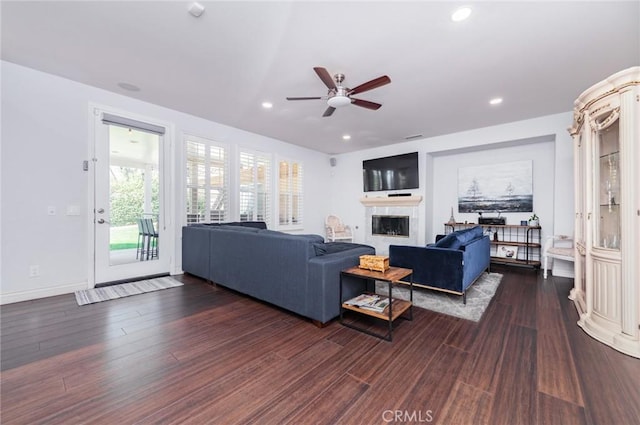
(207, 176)
(290, 194)
(255, 191)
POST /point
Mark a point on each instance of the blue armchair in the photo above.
(450, 265)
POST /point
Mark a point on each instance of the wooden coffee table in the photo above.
(395, 309)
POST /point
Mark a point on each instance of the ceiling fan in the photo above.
(340, 95)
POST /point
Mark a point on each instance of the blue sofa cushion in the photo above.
(331, 247)
(312, 238)
(460, 238)
(255, 224)
(467, 235)
(240, 228)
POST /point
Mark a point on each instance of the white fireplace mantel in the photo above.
(391, 201)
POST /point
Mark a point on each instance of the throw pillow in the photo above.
(467, 235)
(331, 247)
(450, 241)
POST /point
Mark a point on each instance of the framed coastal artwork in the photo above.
(505, 187)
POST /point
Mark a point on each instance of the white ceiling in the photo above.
(538, 56)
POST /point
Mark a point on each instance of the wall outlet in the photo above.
(73, 210)
(34, 271)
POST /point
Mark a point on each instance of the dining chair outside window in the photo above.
(152, 238)
(141, 239)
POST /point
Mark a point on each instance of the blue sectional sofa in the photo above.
(452, 264)
(300, 273)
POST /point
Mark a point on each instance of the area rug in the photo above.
(478, 297)
(96, 295)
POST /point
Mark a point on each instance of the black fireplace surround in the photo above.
(390, 225)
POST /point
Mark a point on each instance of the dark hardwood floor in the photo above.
(203, 354)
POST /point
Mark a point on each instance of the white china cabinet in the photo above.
(606, 132)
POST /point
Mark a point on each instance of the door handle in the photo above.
(100, 211)
(102, 221)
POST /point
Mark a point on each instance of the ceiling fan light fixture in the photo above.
(338, 100)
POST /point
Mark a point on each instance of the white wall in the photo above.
(544, 140)
(445, 177)
(45, 139)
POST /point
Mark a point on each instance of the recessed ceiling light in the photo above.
(495, 101)
(128, 87)
(196, 9)
(267, 105)
(461, 14)
(346, 137)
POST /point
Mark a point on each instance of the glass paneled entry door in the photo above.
(129, 221)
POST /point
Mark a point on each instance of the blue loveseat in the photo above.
(300, 273)
(452, 264)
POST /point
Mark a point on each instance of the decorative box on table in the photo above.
(378, 263)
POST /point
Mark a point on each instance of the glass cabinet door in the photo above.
(608, 176)
(580, 201)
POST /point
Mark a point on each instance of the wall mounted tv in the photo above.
(396, 172)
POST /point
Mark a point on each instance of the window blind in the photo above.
(255, 190)
(207, 181)
(290, 193)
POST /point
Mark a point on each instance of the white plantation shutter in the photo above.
(207, 178)
(255, 187)
(290, 194)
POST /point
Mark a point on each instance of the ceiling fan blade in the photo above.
(303, 98)
(325, 77)
(370, 85)
(329, 111)
(366, 104)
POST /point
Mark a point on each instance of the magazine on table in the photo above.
(378, 306)
(363, 299)
(370, 302)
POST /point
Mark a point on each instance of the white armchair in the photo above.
(336, 231)
(557, 246)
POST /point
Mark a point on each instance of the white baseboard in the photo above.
(563, 268)
(568, 274)
(15, 297)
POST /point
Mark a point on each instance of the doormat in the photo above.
(478, 297)
(106, 293)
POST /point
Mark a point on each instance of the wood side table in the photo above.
(396, 308)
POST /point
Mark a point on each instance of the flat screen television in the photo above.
(396, 172)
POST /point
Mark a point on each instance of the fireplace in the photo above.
(390, 225)
(403, 210)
